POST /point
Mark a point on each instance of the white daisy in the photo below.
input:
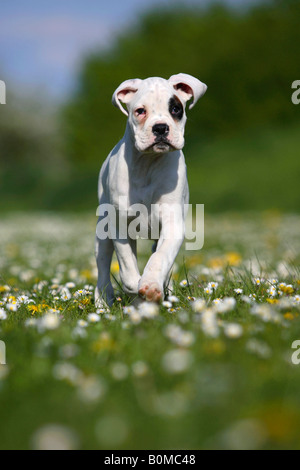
(94, 317)
(3, 315)
(233, 330)
(238, 291)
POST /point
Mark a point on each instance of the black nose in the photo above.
(160, 129)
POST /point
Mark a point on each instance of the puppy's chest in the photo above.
(145, 185)
(142, 193)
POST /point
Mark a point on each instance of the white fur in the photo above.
(143, 171)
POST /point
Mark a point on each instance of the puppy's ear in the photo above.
(125, 92)
(188, 87)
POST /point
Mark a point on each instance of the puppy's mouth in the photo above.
(161, 145)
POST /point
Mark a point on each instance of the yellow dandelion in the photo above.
(87, 274)
(281, 422)
(194, 260)
(215, 347)
(233, 259)
(83, 302)
(104, 343)
(287, 289)
(115, 267)
(289, 316)
(33, 309)
(4, 289)
(217, 262)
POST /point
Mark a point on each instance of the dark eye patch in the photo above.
(175, 108)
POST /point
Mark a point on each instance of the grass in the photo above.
(242, 171)
(188, 375)
(257, 169)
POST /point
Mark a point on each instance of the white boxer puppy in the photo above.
(146, 167)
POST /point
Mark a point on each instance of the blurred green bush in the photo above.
(242, 138)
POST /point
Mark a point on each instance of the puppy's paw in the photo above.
(151, 291)
(100, 302)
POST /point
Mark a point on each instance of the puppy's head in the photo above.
(156, 110)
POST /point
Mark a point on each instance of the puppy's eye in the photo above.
(175, 110)
(140, 111)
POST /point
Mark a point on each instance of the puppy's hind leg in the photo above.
(104, 293)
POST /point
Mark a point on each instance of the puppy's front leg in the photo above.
(154, 278)
(104, 293)
(129, 271)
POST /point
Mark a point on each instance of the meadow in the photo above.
(210, 368)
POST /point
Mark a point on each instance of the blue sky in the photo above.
(42, 43)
